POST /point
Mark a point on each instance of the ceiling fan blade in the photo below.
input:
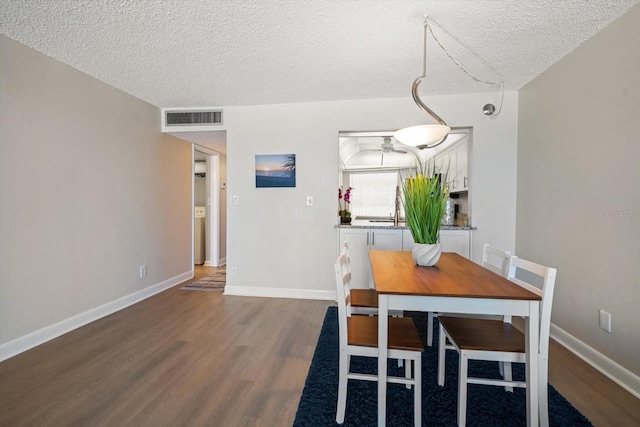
(381, 158)
(399, 151)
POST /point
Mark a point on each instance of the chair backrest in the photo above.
(344, 250)
(496, 260)
(343, 296)
(526, 274)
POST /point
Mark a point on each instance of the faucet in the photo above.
(396, 216)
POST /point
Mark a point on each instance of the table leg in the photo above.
(532, 325)
(383, 313)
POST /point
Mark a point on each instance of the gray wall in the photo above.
(90, 190)
(578, 206)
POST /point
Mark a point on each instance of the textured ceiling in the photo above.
(174, 53)
(214, 140)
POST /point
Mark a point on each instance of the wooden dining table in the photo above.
(454, 285)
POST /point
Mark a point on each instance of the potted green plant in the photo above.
(424, 196)
(343, 212)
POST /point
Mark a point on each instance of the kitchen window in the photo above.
(374, 194)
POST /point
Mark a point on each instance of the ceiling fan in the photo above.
(386, 147)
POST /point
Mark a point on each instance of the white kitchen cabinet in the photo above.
(407, 239)
(458, 241)
(360, 241)
(460, 178)
(454, 161)
(443, 162)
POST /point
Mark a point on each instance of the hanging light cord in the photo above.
(427, 27)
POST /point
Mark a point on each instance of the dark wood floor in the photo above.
(195, 358)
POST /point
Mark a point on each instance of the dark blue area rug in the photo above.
(487, 405)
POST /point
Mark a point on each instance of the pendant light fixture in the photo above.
(423, 136)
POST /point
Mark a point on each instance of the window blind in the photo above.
(373, 194)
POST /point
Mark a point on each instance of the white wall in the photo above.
(90, 190)
(279, 246)
(578, 187)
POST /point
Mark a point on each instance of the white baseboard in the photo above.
(221, 262)
(256, 291)
(615, 372)
(33, 339)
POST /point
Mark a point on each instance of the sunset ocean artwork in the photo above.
(275, 170)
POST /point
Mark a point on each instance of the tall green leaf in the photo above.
(424, 198)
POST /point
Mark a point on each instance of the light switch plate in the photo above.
(605, 320)
(235, 200)
(309, 200)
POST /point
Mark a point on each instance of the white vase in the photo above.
(426, 255)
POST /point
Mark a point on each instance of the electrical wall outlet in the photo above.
(143, 270)
(605, 320)
(234, 271)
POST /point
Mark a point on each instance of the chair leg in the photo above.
(342, 386)
(506, 368)
(442, 340)
(430, 329)
(462, 389)
(543, 393)
(407, 370)
(417, 396)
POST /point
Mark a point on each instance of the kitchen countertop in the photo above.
(363, 223)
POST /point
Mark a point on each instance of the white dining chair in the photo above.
(494, 259)
(364, 301)
(487, 339)
(499, 261)
(358, 336)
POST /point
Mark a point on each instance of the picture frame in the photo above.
(275, 170)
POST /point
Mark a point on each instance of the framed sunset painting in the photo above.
(275, 170)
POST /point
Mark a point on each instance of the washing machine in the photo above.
(199, 234)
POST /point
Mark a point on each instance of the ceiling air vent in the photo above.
(193, 118)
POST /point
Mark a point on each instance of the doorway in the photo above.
(206, 207)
